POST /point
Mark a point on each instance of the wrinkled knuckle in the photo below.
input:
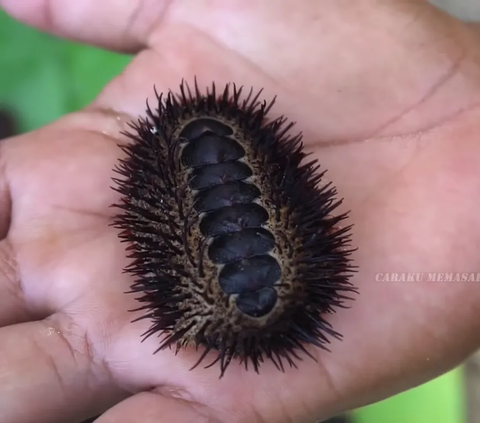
(148, 18)
(202, 411)
(78, 344)
(9, 275)
(50, 363)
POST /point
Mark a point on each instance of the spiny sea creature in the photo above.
(233, 240)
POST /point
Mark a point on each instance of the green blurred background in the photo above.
(43, 78)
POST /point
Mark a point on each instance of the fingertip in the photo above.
(14, 8)
(34, 13)
(106, 24)
(149, 407)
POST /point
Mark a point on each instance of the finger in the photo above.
(235, 44)
(149, 407)
(411, 32)
(30, 174)
(48, 376)
(121, 25)
(13, 308)
(475, 29)
(5, 200)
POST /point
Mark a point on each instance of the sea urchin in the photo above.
(233, 243)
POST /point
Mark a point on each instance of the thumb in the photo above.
(152, 407)
(121, 25)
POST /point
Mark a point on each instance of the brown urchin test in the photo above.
(234, 245)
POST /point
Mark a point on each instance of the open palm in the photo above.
(386, 95)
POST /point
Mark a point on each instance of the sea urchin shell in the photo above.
(233, 244)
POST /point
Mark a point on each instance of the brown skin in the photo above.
(387, 95)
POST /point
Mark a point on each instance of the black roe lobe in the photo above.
(234, 245)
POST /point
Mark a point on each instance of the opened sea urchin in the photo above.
(234, 243)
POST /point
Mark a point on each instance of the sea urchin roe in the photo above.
(232, 219)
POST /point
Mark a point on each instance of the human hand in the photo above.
(386, 94)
